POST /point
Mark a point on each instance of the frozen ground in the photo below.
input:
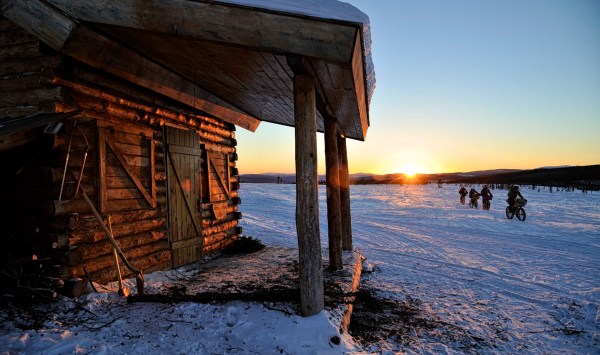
(482, 282)
(453, 279)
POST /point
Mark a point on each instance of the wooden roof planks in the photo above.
(219, 58)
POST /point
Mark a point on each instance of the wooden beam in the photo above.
(102, 53)
(220, 181)
(334, 220)
(17, 125)
(266, 30)
(65, 35)
(136, 180)
(207, 125)
(39, 19)
(359, 81)
(307, 201)
(344, 194)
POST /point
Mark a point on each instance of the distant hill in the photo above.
(582, 177)
(484, 172)
(268, 178)
(572, 176)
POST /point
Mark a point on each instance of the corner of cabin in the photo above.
(161, 174)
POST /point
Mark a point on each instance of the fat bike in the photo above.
(473, 202)
(487, 204)
(517, 209)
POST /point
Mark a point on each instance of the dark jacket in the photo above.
(473, 193)
(513, 193)
(486, 193)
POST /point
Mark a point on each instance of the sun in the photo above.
(410, 170)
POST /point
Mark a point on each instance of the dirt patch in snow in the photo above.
(377, 320)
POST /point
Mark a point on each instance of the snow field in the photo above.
(530, 286)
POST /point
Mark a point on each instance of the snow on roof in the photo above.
(328, 10)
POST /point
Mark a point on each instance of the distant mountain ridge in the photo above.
(586, 176)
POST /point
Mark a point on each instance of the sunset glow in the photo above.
(410, 170)
(476, 100)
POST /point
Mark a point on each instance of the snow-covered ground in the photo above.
(481, 283)
(511, 286)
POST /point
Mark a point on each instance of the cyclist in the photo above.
(513, 192)
(487, 196)
(463, 192)
(474, 196)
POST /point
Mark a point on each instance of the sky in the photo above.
(467, 85)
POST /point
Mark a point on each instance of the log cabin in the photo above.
(118, 120)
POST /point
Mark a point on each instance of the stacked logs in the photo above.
(220, 215)
(76, 249)
(51, 246)
(26, 263)
(21, 93)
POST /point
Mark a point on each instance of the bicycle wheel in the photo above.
(521, 215)
(509, 212)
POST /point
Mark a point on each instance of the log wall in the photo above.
(21, 94)
(220, 199)
(121, 127)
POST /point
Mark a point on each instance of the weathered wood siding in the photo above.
(118, 141)
(21, 93)
(184, 156)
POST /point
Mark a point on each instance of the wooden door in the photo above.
(185, 190)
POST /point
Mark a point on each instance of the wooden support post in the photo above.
(334, 219)
(345, 194)
(307, 202)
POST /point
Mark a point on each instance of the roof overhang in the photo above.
(224, 59)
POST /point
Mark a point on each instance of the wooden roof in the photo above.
(228, 60)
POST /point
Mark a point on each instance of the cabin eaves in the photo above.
(227, 59)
